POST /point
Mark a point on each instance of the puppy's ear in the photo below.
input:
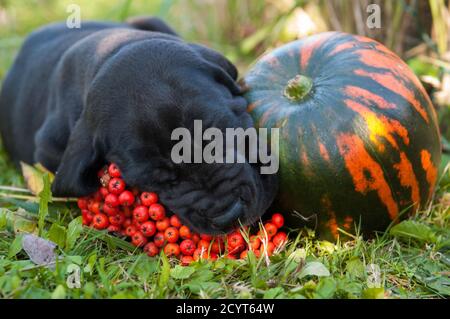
(76, 175)
(227, 71)
(151, 24)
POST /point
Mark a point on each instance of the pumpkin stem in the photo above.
(298, 87)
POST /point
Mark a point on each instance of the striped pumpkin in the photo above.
(359, 140)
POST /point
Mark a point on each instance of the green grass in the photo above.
(413, 257)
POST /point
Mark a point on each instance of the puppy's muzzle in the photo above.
(230, 217)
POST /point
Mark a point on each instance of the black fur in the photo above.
(76, 99)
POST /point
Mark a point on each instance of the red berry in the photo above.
(230, 256)
(87, 215)
(187, 247)
(172, 249)
(235, 239)
(85, 221)
(203, 244)
(186, 260)
(116, 186)
(267, 249)
(111, 211)
(94, 207)
(126, 198)
(117, 219)
(127, 212)
(140, 213)
(130, 230)
(213, 256)
(254, 243)
(206, 237)
(112, 200)
(151, 249)
(138, 239)
(185, 232)
(97, 196)
(217, 246)
(279, 239)
(114, 171)
(127, 222)
(200, 253)
(104, 191)
(195, 238)
(148, 199)
(137, 223)
(159, 239)
(162, 225)
(157, 212)
(175, 221)
(148, 228)
(271, 229)
(235, 250)
(171, 234)
(100, 221)
(82, 203)
(278, 220)
(243, 254)
(113, 229)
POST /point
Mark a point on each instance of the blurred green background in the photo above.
(417, 30)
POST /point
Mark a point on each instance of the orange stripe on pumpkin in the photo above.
(323, 152)
(408, 178)
(304, 158)
(430, 170)
(308, 48)
(380, 126)
(390, 82)
(331, 224)
(342, 47)
(359, 163)
(395, 65)
(368, 97)
(378, 45)
(348, 220)
(266, 115)
(253, 105)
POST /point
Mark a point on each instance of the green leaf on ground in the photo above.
(74, 230)
(355, 268)
(273, 293)
(410, 229)
(326, 288)
(314, 268)
(373, 293)
(59, 292)
(164, 272)
(57, 234)
(16, 246)
(45, 197)
(181, 272)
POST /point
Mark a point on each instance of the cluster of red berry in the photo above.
(139, 216)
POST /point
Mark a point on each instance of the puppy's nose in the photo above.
(230, 216)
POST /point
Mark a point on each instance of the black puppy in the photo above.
(76, 99)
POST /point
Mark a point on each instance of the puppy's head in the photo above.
(134, 105)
